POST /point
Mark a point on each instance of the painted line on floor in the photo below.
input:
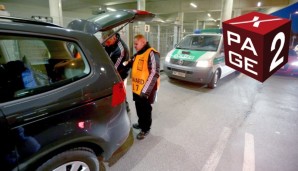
(213, 160)
(249, 153)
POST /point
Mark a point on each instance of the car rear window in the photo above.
(30, 66)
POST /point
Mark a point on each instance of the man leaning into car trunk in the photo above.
(118, 52)
(145, 82)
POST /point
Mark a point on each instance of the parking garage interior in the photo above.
(242, 124)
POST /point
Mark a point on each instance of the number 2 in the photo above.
(280, 36)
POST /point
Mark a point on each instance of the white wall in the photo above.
(26, 11)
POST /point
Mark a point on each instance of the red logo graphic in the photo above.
(256, 44)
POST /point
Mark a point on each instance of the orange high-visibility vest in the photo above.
(140, 72)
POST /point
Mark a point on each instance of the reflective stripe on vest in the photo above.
(140, 72)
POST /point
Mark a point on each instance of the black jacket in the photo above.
(119, 53)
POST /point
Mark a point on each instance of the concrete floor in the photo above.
(241, 125)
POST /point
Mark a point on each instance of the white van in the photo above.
(198, 58)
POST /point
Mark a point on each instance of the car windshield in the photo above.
(200, 42)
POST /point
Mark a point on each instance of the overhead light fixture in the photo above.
(193, 5)
(259, 4)
(209, 15)
(111, 9)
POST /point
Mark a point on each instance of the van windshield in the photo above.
(200, 42)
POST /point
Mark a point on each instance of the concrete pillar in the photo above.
(166, 37)
(226, 10)
(181, 20)
(130, 39)
(56, 11)
(197, 24)
(175, 36)
(142, 6)
(203, 24)
(158, 38)
(237, 12)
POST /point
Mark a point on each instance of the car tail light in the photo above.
(141, 12)
(84, 124)
(81, 125)
(119, 94)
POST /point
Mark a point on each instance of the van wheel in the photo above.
(75, 159)
(214, 80)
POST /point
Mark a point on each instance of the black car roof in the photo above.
(39, 28)
(28, 21)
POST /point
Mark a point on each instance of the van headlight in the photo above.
(168, 57)
(203, 63)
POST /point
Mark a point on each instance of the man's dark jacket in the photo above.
(119, 53)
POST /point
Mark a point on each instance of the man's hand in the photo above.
(125, 62)
(144, 96)
(130, 60)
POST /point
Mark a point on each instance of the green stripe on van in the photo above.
(192, 56)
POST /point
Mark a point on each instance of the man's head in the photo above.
(111, 40)
(139, 42)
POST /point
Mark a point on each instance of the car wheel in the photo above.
(76, 160)
(214, 79)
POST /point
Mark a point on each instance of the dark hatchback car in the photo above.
(62, 103)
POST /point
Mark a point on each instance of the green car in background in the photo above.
(198, 58)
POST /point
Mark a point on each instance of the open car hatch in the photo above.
(110, 20)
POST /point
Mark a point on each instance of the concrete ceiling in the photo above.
(166, 10)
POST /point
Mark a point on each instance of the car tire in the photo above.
(212, 84)
(74, 159)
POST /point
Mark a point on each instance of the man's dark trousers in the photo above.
(144, 109)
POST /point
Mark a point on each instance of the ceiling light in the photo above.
(111, 9)
(193, 5)
(259, 4)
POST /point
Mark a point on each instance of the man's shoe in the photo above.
(136, 126)
(142, 135)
